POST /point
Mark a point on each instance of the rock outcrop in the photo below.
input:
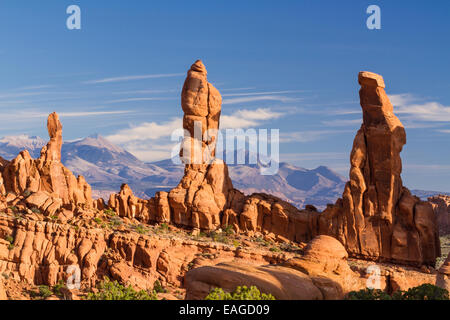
(40, 252)
(322, 273)
(441, 206)
(378, 218)
(45, 181)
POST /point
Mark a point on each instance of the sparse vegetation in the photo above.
(45, 292)
(140, 229)
(10, 239)
(109, 212)
(113, 290)
(35, 210)
(422, 292)
(115, 222)
(57, 289)
(241, 293)
(158, 288)
(98, 220)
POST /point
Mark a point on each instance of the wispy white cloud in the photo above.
(248, 118)
(146, 131)
(21, 94)
(342, 122)
(156, 91)
(150, 141)
(308, 136)
(260, 93)
(259, 98)
(418, 110)
(131, 78)
(139, 99)
(26, 115)
(314, 156)
(35, 87)
(237, 89)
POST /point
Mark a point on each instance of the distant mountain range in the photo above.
(106, 166)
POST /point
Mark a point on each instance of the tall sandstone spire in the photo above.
(378, 218)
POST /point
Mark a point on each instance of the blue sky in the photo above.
(290, 65)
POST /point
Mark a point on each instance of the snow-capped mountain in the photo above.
(106, 166)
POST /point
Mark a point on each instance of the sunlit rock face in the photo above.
(378, 218)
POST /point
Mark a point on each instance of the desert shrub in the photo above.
(98, 220)
(45, 292)
(115, 222)
(425, 292)
(36, 210)
(228, 230)
(10, 239)
(241, 293)
(422, 292)
(164, 227)
(140, 229)
(109, 212)
(219, 237)
(57, 289)
(158, 288)
(113, 290)
(368, 294)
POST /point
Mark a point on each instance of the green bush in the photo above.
(241, 293)
(158, 288)
(113, 290)
(425, 292)
(368, 294)
(109, 212)
(422, 292)
(45, 291)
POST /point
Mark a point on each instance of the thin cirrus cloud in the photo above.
(138, 99)
(259, 98)
(309, 136)
(415, 109)
(260, 93)
(248, 118)
(24, 115)
(131, 78)
(342, 122)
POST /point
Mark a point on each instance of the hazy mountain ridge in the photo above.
(106, 166)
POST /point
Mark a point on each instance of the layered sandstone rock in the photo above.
(379, 219)
(441, 206)
(322, 273)
(3, 295)
(39, 252)
(50, 184)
